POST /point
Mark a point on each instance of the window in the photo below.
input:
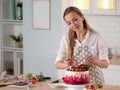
(82, 4)
(105, 4)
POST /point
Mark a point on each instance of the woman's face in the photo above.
(74, 21)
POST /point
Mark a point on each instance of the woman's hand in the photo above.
(101, 63)
(71, 62)
(62, 64)
(90, 59)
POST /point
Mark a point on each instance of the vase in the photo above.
(11, 10)
(19, 45)
(19, 13)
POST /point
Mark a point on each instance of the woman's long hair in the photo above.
(72, 34)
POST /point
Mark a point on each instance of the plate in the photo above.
(53, 85)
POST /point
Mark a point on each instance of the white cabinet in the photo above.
(10, 27)
(105, 7)
(118, 6)
(11, 59)
(84, 5)
(112, 75)
(95, 7)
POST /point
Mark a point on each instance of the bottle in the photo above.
(19, 11)
(29, 86)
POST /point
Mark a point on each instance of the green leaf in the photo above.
(29, 75)
(16, 38)
(40, 77)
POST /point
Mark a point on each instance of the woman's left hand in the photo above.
(90, 59)
(101, 63)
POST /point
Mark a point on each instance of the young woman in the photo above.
(81, 44)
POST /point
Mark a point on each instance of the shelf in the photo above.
(9, 48)
(11, 58)
(10, 28)
(7, 20)
(10, 10)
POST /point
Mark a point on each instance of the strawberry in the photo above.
(92, 86)
(33, 81)
(33, 78)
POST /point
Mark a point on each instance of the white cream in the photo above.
(75, 73)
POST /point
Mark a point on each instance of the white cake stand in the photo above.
(73, 87)
(67, 86)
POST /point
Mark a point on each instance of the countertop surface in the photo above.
(45, 86)
(115, 60)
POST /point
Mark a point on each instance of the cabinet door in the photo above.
(83, 5)
(112, 75)
(105, 7)
(12, 61)
(8, 61)
(118, 7)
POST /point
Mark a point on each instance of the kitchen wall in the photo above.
(40, 46)
(108, 27)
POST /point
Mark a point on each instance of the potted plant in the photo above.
(18, 39)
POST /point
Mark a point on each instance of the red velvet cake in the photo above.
(77, 75)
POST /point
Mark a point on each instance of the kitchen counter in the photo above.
(115, 60)
(44, 86)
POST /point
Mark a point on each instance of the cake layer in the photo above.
(75, 73)
(92, 89)
(73, 77)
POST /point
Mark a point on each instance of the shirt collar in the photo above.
(85, 40)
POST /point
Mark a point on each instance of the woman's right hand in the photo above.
(62, 64)
(71, 62)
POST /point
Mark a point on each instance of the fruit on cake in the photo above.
(77, 75)
(94, 87)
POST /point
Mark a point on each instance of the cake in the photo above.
(93, 87)
(77, 75)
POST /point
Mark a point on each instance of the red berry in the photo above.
(33, 78)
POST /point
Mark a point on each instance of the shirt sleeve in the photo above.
(62, 51)
(102, 49)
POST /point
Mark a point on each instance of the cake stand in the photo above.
(74, 87)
